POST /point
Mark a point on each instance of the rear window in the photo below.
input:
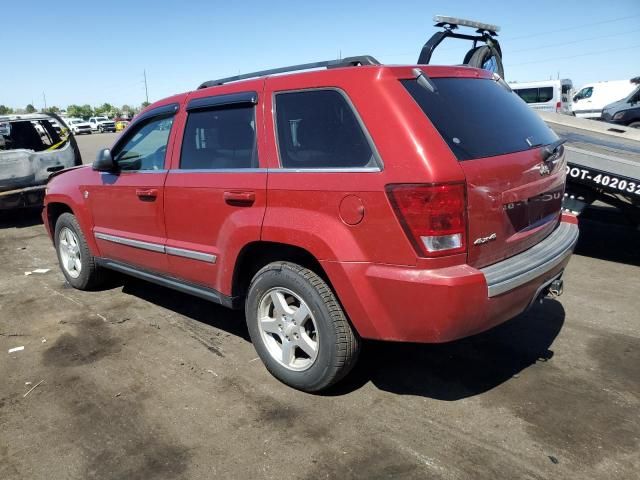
(480, 117)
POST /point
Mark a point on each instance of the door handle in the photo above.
(147, 193)
(240, 199)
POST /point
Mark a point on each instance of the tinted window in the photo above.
(318, 129)
(480, 117)
(220, 138)
(535, 95)
(145, 145)
(545, 94)
(529, 95)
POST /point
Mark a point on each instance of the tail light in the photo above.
(559, 107)
(433, 216)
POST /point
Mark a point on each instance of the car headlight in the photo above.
(618, 116)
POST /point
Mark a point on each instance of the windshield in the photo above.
(634, 96)
(479, 117)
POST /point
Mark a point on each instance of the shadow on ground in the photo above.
(450, 371)
(203, 311)
(20, 218)
(463, 368)
(606, 235)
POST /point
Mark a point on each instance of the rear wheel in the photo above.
(634, 124)
(298, 327)
(76, 262)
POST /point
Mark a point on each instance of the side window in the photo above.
(145, 146)
(529, 95)
(545, 94)
(318, 129)
(220, 138)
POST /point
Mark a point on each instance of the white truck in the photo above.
(546, 95)
(102, 124)
(593, 97)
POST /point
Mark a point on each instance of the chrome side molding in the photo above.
(156, 247)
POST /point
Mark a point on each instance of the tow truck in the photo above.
(603, 159)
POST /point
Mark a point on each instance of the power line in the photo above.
(574, 56)
(575, 27)
(537, 34)
(570, 43)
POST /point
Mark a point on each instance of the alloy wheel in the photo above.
(288, 329)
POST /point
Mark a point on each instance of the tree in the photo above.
(84, 111)
(104, 109)
(52, 109)
(144, 105)
(5, 110)
(30, 109)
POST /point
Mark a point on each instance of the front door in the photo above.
(215, 193)
(128, 205)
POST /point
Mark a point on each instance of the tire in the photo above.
(322, 325)
(100, 129)
(634, 125)
(478, 56)
(70, 242)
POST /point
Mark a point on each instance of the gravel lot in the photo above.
(140, 382)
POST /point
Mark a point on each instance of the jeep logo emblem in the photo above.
(544, 169)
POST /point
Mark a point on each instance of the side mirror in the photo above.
(104, 161)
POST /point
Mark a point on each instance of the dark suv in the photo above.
(407, 203)
(625, 111)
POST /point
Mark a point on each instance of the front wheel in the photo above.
(634, 124)
(298, 328)
(76, 262)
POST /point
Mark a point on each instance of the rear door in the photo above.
(513, 196)
(215, 195)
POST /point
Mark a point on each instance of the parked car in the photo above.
(593, 97)
(625, 111)
(547, 95)
(32, 147)
(102, 124)
(79, 126)
(121, 125)
(408, 203)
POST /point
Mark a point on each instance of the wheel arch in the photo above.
(256, 255)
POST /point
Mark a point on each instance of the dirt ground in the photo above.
(140, 382)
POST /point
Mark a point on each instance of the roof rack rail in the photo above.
(344, 62)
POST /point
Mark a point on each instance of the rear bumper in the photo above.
(408, 304)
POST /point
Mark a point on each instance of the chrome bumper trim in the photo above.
(532, 263)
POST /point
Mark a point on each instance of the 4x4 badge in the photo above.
(481, 240)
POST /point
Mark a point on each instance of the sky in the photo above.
(95, 52)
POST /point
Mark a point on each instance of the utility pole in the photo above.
(146, 90)
(44, 98)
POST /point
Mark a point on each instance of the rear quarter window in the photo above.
(480, 118)
(319, 129)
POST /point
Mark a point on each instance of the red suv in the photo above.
(409, 203)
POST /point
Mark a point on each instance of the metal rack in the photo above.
(345, 62)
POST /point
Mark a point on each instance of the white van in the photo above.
(592, 98)
(547, 95)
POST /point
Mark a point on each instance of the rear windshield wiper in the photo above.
(553, 150)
